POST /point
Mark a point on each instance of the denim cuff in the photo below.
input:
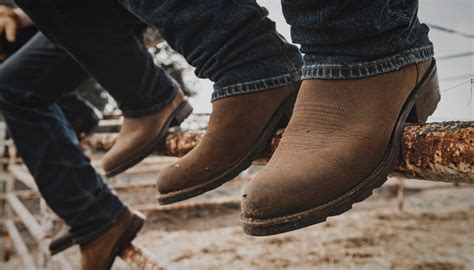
(321, 70)
(144, 110)
(255, 86)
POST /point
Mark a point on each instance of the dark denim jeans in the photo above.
(101, 36)
(340, 39)
(344, 39)
(31, 82)
(233, 43)
(35, 82)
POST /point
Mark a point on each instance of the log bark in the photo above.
(139, 258)
(433, 151)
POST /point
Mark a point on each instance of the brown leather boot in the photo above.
(140, 136)
(101, 253)
(239, 128)
(341, 143)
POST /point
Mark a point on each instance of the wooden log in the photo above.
(431, 151)
(439, 152)
(111, 115)
(139, 258)
(109, 125)
(20, 246)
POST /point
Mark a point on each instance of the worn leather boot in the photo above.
(239, 128)
(101, 253)
(341, 143)
(140, 136)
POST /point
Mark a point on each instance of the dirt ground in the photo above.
(434, 232)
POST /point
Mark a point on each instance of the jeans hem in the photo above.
(255, 86)
(83, 239)
(366, 69)
(158, 107)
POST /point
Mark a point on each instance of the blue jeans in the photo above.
(101, 36)
(34, 82)
(31, 82)
(232, 42)
(344, 39)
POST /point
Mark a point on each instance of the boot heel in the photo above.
(184, 110)
(427, 99)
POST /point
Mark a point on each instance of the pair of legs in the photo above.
(36, 83)
(365, 72)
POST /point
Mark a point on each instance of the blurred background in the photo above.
(406, 224)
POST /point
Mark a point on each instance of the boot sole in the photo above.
(135, 225)
(421, 103)
(60, 244)
(176, 118)
(240, 166)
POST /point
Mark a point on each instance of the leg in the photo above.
(237, 47)
(31, 81)
(105, 44)
(367, 72)
(234, 44)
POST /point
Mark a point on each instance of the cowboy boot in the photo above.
(342, 141)
(140, 136)
(239, 128)
(100, 254)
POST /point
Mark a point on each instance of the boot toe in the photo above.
(284, 190)
(185, 174)
(262, 199)
(169, 178)
(178, 176)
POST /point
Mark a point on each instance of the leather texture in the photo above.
(95, 255)
(234, 127)
(339, 131)
(138, 134)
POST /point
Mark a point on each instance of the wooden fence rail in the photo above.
(432, 151)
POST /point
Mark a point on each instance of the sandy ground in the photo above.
(371, 240)
(436, 231)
